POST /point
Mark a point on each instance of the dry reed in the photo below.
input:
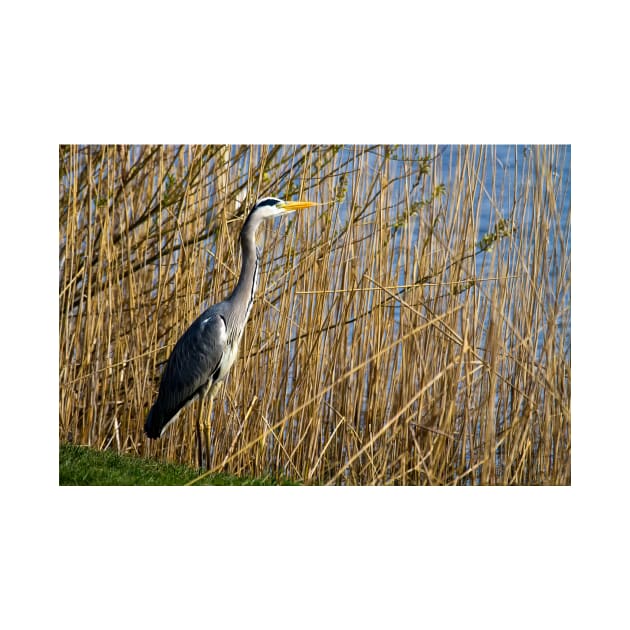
(396, 338)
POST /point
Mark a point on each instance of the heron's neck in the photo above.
(243, 295)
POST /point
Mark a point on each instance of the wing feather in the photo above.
(194, 362)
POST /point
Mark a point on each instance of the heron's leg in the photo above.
(198, 435)
(206, 423)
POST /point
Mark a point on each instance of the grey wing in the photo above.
(195, 361)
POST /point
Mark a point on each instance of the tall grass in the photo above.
(399, 336)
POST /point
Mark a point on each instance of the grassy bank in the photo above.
(401, 335)
(83, 466)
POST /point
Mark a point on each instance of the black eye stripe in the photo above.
(272, 201)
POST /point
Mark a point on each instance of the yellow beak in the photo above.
(290, 206)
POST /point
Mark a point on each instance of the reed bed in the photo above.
(402, 333)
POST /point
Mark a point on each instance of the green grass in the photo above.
(83, 466)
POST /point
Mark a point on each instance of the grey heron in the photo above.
(204, 354)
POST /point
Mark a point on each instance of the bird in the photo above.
(204, 354)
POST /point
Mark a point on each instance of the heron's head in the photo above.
(273, 207)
